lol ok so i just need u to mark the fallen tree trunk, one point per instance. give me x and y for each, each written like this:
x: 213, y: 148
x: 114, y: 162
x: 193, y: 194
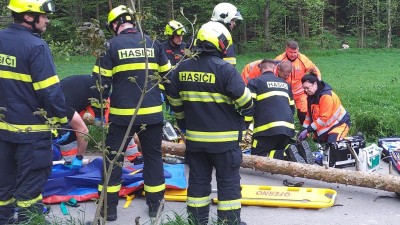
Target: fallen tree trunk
x: 331, y: 175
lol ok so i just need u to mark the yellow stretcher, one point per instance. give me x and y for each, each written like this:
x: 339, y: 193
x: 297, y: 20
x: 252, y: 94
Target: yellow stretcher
x: 274, y: 196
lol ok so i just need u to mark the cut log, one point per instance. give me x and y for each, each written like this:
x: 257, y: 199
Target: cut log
x: 331, y: 175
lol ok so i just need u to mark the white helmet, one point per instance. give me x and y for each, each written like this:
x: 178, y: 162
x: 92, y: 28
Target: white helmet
x: 224, y: 12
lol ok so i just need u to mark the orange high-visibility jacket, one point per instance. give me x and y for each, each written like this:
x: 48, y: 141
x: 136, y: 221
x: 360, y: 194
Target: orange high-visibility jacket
x: 325, y: 111
x: 300, y: 67
x: 251, y: 71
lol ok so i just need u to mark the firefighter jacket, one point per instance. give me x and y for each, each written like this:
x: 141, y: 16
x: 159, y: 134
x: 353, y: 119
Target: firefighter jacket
x: 123, y: 67
x: 174, y: 52
x: 300, y: 66
x: 274, y: 106
x: 78, y: 90
x: 230, y: 55
x: 209, y: 100
x: 325, y: 111
x: 28, y: 82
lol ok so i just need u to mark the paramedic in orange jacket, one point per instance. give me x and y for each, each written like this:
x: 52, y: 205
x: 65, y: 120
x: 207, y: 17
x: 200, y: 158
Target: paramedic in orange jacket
x: 326, y: 117
x: 251, y: 71
x: 301, y: 65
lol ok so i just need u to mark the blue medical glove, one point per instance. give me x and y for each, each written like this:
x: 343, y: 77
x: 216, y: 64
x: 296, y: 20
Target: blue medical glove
x: 76, y: 163
x: 62, y: 136
x: 302, y: 135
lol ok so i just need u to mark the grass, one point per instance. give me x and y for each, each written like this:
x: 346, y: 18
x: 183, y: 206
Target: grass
x: 74, y: 65
x: 367, y: 82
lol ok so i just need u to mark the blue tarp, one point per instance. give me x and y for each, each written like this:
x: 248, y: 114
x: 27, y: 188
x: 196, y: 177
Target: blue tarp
x: 65, y: 183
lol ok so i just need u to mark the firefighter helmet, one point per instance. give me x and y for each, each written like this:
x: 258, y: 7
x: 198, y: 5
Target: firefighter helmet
x: 36, y: 6
x: 121, y: 13
x: 213, y: 35
x: 174, y: 27
x: 225, y: 12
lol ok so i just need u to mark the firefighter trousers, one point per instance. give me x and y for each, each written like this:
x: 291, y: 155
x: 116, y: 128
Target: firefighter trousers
x: 24, y: 169
x: 271, y: 146
x: 153, y: 172
x: 227, y: 165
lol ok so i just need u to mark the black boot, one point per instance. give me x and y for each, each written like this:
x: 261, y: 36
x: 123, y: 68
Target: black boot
x: 230, y: 217
x: 305, y: 152
x: 111, y: 213
x: 293, y: 154
x: 198, y: 215
x: 7, y: 214
x: 32, y: 214
x: 153, y: 210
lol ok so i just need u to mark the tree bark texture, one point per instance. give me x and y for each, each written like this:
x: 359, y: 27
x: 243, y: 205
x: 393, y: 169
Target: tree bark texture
x: 331, y: 175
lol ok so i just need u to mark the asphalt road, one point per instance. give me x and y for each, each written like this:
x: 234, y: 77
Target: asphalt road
x: 353, y: 205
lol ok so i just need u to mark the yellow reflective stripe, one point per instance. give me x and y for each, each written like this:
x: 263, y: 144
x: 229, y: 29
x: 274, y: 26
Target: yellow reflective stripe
x: 198, y: 202
x: 161, y: 87
x: 102, y: 71
x: 286, y: 147
x: 15, y: 76
x: 59, y: 120
x: 291, y: 102
x: 229, y: 205
x: 231, y: 60
x: 134, y: 66
x: 246, y: 97
x: 175, y: 101
x: 254, y: 95
x: 154, y: 189
x: 272, y: 93
x: 7, y: 202
x: 110, y: 189
x: 248, y: 118
x: 28, y: 203
x: 271, y: 154
x: 196, y: 96
x: 179, y: 115
x: 165, y: 67
x: 24, y: 128
x: 273, y: 124
x: 255, y: 141
x: 98, y: 105
x: 142, y: 111
x: 46, y: 83
x: 223, y: 136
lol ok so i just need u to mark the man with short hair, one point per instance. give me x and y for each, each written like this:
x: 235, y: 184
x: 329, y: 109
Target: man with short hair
x: 284, y: 68
x: 300, y: 66
x: 274, y: 110
x: 28, y: 83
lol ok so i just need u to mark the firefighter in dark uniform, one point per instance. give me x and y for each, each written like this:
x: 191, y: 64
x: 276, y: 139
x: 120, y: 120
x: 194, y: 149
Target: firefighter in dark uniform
x: 274, y: 110
x: 174, y: 47
x: 78, y: 90
x: 28, y: 82
x: 123, y: 68
x: 227, y: 14
x: 209, y: 99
